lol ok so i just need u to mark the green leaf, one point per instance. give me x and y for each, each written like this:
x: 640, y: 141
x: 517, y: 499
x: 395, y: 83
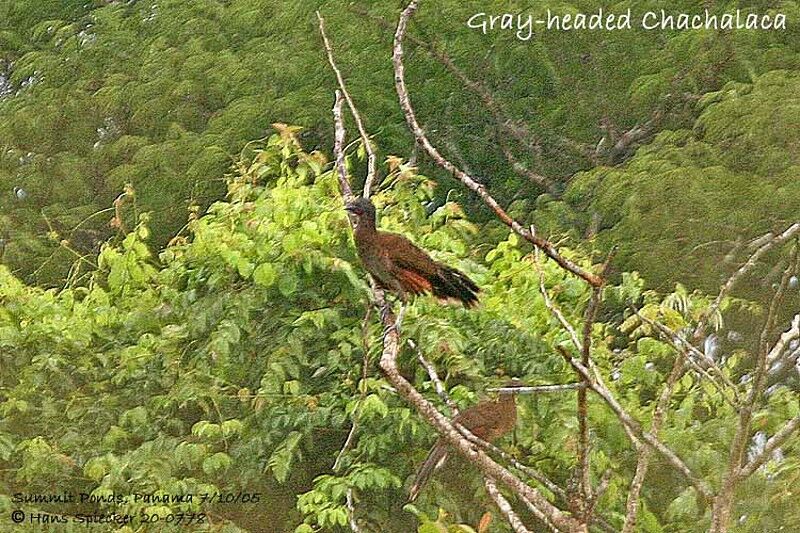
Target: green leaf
x: 265, y: 274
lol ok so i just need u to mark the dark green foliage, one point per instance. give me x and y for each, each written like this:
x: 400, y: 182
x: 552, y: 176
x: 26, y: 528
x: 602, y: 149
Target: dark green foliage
x: 163, y: 95
x: 701, y: 194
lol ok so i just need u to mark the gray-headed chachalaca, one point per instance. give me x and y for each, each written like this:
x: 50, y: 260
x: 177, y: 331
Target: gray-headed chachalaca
x: 400, y: 266
x: 488, y: 420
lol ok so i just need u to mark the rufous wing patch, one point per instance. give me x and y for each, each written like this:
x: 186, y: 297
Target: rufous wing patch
x: 413, y: 282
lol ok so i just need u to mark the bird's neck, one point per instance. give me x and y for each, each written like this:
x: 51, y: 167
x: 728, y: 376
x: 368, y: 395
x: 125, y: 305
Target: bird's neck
x: 365, y: 230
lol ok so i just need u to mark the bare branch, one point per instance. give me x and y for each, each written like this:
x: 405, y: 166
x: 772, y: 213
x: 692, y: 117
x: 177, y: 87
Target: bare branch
x: 371, y: 163
x: 769, y: 242
x: 635, y: 428
x: 684, y: 348
x: 645, y: 452
x: 552, y: 307
x: 467, y: 180
x: 521, y: 169
x: 351, y: 511
x: 338, y: 148
x: 437, y: 383
x: 775, y: 442
x: 723, y: 503
x: 505, y: 507
x: 585, y: 485
x: 530, y: 472
x: 484, y: 463
x: 537, y: 389
x: 602, y: 486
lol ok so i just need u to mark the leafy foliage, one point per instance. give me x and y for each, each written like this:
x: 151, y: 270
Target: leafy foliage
x: 95, y: 95
x: 237, y: 360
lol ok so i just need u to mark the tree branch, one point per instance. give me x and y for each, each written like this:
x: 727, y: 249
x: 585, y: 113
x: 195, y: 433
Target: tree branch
x: 371, y: 163
x: 775, y: 442
x: 505, y: 507
x: 437, y: 383
x: 684, y: 348
x: 537, y: 389
x: 338, y: 149
x: 467, y: 180
x: 723, y: 503
x: 445, y: 428
x: 635, y: 428
x: 765, y: 243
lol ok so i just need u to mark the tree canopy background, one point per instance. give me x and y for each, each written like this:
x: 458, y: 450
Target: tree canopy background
x: 236, y: 357
x: 96, y: 95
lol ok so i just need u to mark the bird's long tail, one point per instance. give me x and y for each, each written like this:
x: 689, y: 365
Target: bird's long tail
x: 450, y: 284
x: 436, y: 458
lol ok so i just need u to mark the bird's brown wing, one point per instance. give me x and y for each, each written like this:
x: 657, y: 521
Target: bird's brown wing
x: 478, y: 419
x: 409, y: 264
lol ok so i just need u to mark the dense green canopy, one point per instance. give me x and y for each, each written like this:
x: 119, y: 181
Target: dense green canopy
x: 237, y: 360
x: 182, y: 311
x: 96, y: 95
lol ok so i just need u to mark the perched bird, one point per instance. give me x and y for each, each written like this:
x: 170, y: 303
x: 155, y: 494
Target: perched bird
x: 398, y: 265
x: 488, y: 420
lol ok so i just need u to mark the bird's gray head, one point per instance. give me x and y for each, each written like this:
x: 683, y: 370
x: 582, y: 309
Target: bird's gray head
x: 363, y: 210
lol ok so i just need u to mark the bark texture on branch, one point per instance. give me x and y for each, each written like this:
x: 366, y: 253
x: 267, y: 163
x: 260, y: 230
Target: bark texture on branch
x: 471, y: 183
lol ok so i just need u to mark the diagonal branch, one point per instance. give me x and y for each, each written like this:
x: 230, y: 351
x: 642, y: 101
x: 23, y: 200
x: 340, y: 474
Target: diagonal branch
x: 633, y: 426
x: 775, y: 442
x: 723, y: 503
x: 388, y: 364
x: 437, y: 383
x: 515, y: 129
x: 684, y: 348
x: 445, y: 428
x: 766, y: 243
x: 338, y: 149
x: 505, y: 507
x: 371, y: 163
x: 480, y: 189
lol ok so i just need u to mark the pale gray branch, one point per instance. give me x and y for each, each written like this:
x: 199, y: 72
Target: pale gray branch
x: 371, y: 159
x: 437, y: 383
x: 471, y: 183
x: 635, y: 428
x: 766, y: 243
x: 505, y: 507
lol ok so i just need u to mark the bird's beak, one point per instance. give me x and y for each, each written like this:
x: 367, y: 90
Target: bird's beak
x: 350, y: 209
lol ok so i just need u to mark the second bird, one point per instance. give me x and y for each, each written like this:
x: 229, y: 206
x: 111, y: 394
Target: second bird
x: 398, y: 265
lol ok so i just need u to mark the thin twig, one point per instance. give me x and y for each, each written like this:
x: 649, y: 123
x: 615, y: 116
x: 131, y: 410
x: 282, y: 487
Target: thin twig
x: 371, y: 159
x: 484, y: 463
x: 515, y: 129
x: 437, y: 383
x: 351, y: 511
x: 685, y: 348
x: 530, y: 472
x: 723, y: 503
x: 775, y: 442
x: 771, y: 242
x: 602, y: 486
x: 338, y: 149
x: 480, y: 189
x: 552, y: 307
x: 538, y: 389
